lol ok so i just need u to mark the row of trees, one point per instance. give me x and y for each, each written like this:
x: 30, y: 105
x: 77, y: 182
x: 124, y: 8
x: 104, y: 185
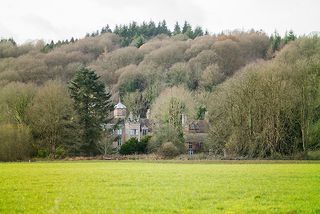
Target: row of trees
x: 137, y: 35
x: 50, y: 46
x: 270, y: 109
x: 277, y: 42
x: 53, y: 120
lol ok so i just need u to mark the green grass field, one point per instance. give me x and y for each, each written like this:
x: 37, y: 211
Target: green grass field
x: 164, y: 187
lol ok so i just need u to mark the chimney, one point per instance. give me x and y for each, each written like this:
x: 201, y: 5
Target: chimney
x: 148, y: 114
x: 130, y: 117
x: 206, y: 116
x: 183, y: 120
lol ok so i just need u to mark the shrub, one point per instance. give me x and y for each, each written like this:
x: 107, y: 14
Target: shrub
x: 42, y: 153
x: 60, y: 152
x: 168, y: 150
x: 15, y: 142
x: 142, y: 145
x: 133, y: 146
x: 130, y: 147
x: 313, y: 155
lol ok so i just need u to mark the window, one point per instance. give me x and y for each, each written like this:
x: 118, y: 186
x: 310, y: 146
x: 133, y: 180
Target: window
x: 200, y: 145
x: 133, y: 132
x: 144, y: 132
x: 190, y: 149
x: 119, y: 141
x: 192, y: 126
x: 119, y: 131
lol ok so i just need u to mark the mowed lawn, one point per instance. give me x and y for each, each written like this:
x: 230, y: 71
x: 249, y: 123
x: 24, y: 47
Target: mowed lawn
x: 159, y: 187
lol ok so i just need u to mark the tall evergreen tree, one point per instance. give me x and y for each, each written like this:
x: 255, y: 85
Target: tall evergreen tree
x: 187, y: 30
x: 197, y: 32
x: 185, y: 27
x: 189, y: 33
x: 289, y: 37
x: 164, y: 28
x: 152, y: 29
x: 93, y: 104
x: 176, y: 29
x: 275, y: 41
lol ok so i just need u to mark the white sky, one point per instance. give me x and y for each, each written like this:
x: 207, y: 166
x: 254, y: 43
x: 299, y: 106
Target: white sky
x: 61, y: 19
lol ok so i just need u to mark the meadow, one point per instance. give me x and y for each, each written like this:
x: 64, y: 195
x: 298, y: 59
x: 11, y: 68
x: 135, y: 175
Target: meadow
x: 159, y: 187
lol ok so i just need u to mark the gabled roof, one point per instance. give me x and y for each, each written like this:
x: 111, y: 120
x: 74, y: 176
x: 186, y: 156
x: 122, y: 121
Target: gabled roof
x: 120, y: 106
x: 145, y: 122
x: 199, y: 126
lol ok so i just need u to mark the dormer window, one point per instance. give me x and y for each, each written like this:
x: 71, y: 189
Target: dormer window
x: 193, y: 126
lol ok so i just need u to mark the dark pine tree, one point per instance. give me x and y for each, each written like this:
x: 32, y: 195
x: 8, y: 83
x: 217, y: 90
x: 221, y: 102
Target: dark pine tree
x: 176, y: 29
x: 152, y: 29
x: 289, y: 37
x: 186, y: 27
x: 93, y: 105
x: 197, y: 32
x: 275, y: 41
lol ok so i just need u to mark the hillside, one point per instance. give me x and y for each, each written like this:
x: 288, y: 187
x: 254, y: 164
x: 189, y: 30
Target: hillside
x: 246, y: 81
x: 162, y: 61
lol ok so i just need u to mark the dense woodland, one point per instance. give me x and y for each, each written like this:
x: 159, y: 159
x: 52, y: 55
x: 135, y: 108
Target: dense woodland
x: 260, y: 93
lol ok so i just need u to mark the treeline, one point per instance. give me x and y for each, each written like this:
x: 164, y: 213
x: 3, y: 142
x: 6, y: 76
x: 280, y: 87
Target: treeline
x: 137, y: 35
x: 270, y: 109
x: 48, y: 47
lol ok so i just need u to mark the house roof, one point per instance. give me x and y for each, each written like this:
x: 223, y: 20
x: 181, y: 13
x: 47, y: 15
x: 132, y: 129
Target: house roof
x: 198, y: 126
x: 120, y: 106
x: 145, y: 122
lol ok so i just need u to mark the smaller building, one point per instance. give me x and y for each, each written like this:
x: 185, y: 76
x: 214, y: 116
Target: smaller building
x: 195, y: 132
x: 120, y: 111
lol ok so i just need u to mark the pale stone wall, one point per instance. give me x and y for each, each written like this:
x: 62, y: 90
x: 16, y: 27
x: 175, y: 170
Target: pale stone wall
x: 132, y: 129
x: 120, y: 113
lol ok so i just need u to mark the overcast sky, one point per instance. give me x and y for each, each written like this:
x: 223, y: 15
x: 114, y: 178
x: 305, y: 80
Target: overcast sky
x: 61, y: 19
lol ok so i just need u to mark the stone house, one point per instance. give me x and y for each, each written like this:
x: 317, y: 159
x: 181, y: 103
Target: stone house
x: 195, y: 132
x: 126, y: 127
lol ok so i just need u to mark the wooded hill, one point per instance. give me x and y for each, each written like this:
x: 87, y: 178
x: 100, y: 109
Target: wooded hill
x: 260, y: 91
